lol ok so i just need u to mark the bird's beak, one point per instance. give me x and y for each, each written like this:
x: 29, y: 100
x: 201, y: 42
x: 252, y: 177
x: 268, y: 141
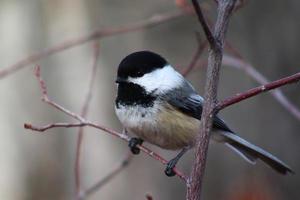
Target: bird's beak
x: 121, y: 80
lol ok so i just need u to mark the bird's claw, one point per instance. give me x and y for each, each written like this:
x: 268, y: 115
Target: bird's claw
x: 133, y: 142
x: 169, y: 171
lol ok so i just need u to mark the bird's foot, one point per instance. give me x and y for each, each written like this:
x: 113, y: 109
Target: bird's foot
x: 169, y: 171
x: 133, y: 142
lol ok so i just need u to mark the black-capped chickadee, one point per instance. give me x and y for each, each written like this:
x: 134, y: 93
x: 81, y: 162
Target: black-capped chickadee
x: 160, y: 106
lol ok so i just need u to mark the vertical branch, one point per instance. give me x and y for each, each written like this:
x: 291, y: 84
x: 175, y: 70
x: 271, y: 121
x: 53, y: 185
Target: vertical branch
x: 83, y: 114
x: 204, y: 24
x: 225, y: 8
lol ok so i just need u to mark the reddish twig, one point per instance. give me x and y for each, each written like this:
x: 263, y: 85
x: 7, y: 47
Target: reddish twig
x: 114, y: 172
x: 255, y: 91
x: 83, y: 114
x: 84, y: 122
x: 148, y: 23
x: 204, y: 24
x: 107, y: 130
x: 46, y: 99
x: 225, y: 8
x: 53, y: 125
x: 239, y: 63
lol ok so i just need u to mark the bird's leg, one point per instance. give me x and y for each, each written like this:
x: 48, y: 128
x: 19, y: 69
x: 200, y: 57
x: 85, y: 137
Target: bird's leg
x: 132, y: 145
x: 124, y: 132
x: 172, y: 163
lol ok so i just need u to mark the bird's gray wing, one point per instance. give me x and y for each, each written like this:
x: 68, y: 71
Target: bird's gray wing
x: 218, y: 123
x: 186, y: 100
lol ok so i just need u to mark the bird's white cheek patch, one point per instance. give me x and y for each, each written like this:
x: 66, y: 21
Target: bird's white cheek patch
x: 162, y: 80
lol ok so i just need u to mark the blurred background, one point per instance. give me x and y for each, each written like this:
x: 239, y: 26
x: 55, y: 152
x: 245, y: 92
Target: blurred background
x: 41, y: 165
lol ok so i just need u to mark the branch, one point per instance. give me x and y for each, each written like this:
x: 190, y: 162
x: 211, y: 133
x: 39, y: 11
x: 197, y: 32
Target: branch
x: 255, y: 91
x: 111, y: 132
x: 225, y: 8
x: 83, y: 114
x: 114, y: 172
x: 239, y: 63
x: 202, y: 45
x: 98, y: 34
x: 47, y: 100
x: 204, y: 24
x: 54, y: 125
x: 84, y: 122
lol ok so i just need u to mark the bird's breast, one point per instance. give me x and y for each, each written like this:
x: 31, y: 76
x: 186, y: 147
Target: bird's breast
x: 161, y: 125
x: 137, y: 116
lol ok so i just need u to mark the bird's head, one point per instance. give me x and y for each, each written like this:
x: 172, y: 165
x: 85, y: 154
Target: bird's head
x: 148, y: 70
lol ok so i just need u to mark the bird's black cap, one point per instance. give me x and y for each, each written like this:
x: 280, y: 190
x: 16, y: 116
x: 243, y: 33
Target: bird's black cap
x: 139, y: 63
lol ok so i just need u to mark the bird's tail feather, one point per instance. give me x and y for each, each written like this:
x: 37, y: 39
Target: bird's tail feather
x: 251, y: 153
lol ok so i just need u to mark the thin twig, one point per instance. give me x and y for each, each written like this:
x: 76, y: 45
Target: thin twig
x: 257, y: 76
x: 225, y: 8
x: 239, y: 63
x: 53, y: 125
x: 204, y: 24
x: 83, y: 114
x: 255, y: 91
x: 114, y: 172
x: 47, y: 100
x: 84, y: 122
x: 101, y: 33
x: 111, y: 132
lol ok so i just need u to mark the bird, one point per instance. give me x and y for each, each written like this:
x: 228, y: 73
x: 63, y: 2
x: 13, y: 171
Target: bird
x: 159, y: 106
